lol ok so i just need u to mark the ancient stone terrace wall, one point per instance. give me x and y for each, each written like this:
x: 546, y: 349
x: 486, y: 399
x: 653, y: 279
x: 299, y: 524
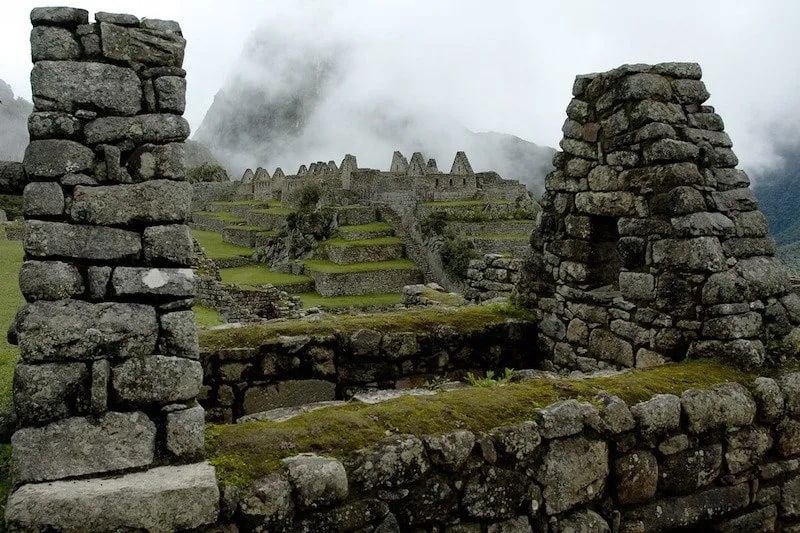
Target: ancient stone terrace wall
x: 492, y: 276
x: 718, y: 460
x: 650, y: 245
x: 110, y: 434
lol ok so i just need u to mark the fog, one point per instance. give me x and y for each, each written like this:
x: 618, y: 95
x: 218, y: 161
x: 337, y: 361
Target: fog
x: 427, y: 69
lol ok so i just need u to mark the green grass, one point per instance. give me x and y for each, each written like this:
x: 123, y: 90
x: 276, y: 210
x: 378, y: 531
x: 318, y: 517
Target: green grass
x: 501, y: 237
x: 207, y: 317
x: 466, y: 203
x: 270, y: 203
x: 417, y: 320
x: 244, y: 228
x: 329, y: 267
x: 372, y: 226
x: 253, y: 275
x: 244, y: 452
x: 275, y: 211
x: 221, y: 215
x: 313, y: 299
x: 216, y: 248
x: 11, y: 298
x: 378, y: 241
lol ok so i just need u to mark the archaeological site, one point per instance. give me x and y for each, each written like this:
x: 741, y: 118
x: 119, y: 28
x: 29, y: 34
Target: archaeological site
x: 411, y: 349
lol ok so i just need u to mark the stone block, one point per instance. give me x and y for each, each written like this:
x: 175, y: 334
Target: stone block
x: 98, y: 278
x: 156, y: 379
x: 740, y: 248
x: 573, y: 472
x: 81, y: 446
x: 703, y: 224
x: 49, y: 42
x: 685, y: 472
x: 725, y: 406
x: 612, y: 417
x: 317, y: 481
x: 49, y: 280
x: 517, y: 443
x: 649, y: 359
x: 681, y: 200
x: 43, y: 198
x: 47, y: 392
x: 790, y: 387
x: 494, y: 494
x: 151, y: 128
x: 636, y: 476
x: 561, y: 419
x: 642, y: 86
x: 287, y: 393
x: 761, y: 520
x: 185, y: 432
x: 53, y: 158
x: 155, y: 282
x: 101, y: 373
x: 121, y: 19
x: 652, y: 111
x: 365, y: 343
x: 156, y: 201
x: 765, y: 276
x: 396, y: 462
x: 735, y: 200
x: 179, y: 335
x: 637, y: 286
x: 142, y: 45
x: 606, y: 346
x: 170, y: 94
x: 585, y: 520
x: 790, y: 498
x: 732, y: 327
x: 76, y: 330
x: 769, y: 399
x: 657, y: 416
x: 73, y: 85
x: 450, y: 450
x: 167, y: 498
x: 268, y: 502
x: 171, y: 244
x: 703, y: 254
x: 48, y: 239
x: 161, y: 25
x: 606, y: 203
x: 163, y: 161
x: 62, y: 16
x: 746, y: 448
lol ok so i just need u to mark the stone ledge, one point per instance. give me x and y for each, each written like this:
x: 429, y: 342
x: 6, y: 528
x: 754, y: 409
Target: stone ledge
x: 167, y: 498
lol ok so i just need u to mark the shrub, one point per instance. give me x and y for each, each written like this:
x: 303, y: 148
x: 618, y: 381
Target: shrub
x: 308, y: 197
x: 434, y: 224
x: 456, y: 254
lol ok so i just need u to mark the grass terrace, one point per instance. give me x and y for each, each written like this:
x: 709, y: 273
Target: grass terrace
x: 247, y: 451
x: 313, y: 299
x: 372, y: 226
x: 467, y: 203
x: 277, y: 210
x: 329, y: 267
x: 207, y: 317
x: 417, y: 320
x: 378, y: 241
x: 270, y: 203
x: 11, y: 298
x: 221, y: 215
x: 254, y: 275
x: 216, y: 248
x: 502, y: 237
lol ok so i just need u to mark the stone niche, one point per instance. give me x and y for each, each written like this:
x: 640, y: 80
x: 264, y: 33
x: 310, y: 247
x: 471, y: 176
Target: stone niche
x: 650, y: 246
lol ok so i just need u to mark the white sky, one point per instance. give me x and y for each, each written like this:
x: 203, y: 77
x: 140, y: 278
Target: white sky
x: 502, y: 65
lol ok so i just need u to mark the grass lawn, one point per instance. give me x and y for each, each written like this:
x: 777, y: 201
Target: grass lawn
x: 216, y: 248
x: 252, y: 275
x: 372, y: 226
x: 502, y: 236
x: 221, y: 215
x: 11, y: 298
x: 244, y: 452
x: 419, y: 320
x: 329, y: 267
x: 314, y: 299
x: 207, y: 317
x: 378, y: 241
x: 466, y: 203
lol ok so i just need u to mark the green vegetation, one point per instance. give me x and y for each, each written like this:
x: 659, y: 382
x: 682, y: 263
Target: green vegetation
x: 467, y: 203
x: 12, y: 205
x: 244, y: 228
x: 221, y: 215
x: 216, y: 248
x: 482, y: 216
x: 489, y: 380
x: 244, y: 452
x: 264, y: 203
x: 11, y: 298
x: 416, y: 320
x: 444, y: 298
x: 254, y: 275
x: 434, y: 224
x: 456, y: 255
x: 329, y: 267
x: 313, y: 299
x: 308, y: 197
x: 372, y: 226
x: 277, y: 210
x: 206, y: 172
x: 501, y: 237
x: 378, y: 241
x: 207, y: 317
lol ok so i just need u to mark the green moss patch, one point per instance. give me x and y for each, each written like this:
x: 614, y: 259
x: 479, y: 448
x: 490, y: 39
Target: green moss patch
x: 313, y: 299
x: 207, y: 317
x: 418, y: 320
x: 329, y: 267
x: 372, y: 226
x: 378, y: 241
x: 11, y: 298
x: 244, y: 452
x: 253, y: 275
x: 216, y: 248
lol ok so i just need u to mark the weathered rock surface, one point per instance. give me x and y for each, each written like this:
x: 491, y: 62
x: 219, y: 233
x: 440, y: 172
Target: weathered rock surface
x: 53, y: 158
x: 573, y: 471
x: 49, y: 280
x: 156, y: 379
x: 142, y: 45
x: 140, y: 129
x: 317, y: 481
x: 57, y: 239
x: 157, y: 201
x: 153, y: 282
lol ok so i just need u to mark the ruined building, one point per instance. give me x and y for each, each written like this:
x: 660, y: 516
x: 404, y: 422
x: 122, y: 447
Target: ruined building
x: 650, y: 246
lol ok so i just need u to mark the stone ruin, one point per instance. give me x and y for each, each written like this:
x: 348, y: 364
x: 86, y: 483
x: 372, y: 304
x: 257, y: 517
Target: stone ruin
x: 110, y: 435
x: 650, y: 245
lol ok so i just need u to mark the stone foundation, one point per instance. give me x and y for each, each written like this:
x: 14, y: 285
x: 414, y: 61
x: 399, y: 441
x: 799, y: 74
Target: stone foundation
x: 493, y: 276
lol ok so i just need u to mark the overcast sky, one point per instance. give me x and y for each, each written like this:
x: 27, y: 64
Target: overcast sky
x: 504, y: 66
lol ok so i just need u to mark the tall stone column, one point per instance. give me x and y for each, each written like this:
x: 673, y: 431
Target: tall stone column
x: 110, y: 433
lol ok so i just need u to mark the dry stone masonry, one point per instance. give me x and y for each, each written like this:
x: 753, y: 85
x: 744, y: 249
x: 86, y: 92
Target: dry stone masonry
x: 650, y: 246
x: 109, y: 368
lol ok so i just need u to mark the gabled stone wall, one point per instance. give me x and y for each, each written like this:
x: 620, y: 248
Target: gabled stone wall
x: 109, y: 368
x: 650, y: 245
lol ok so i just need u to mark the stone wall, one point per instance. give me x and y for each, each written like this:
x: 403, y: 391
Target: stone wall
x: 355, y: 283
x: 109, y: 370
x: 492, y: 276
x: 206, y: 193
x: 296, y: 370
x: 718, y: 459
x: 650, y: 246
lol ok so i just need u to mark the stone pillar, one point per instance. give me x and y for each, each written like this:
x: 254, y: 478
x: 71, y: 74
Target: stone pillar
x: 105, y: 390
x: 650, y: 245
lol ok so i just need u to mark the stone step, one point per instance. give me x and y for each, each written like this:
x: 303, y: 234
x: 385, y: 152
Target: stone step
x: 355, y: 279
x: 166, y: 498
x: 268, y: 219
x: 365, y: 231
x: 344, y: 252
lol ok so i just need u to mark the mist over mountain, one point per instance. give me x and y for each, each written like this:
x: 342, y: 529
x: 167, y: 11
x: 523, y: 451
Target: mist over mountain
x: 290, y: 101
x: 13, y: 124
